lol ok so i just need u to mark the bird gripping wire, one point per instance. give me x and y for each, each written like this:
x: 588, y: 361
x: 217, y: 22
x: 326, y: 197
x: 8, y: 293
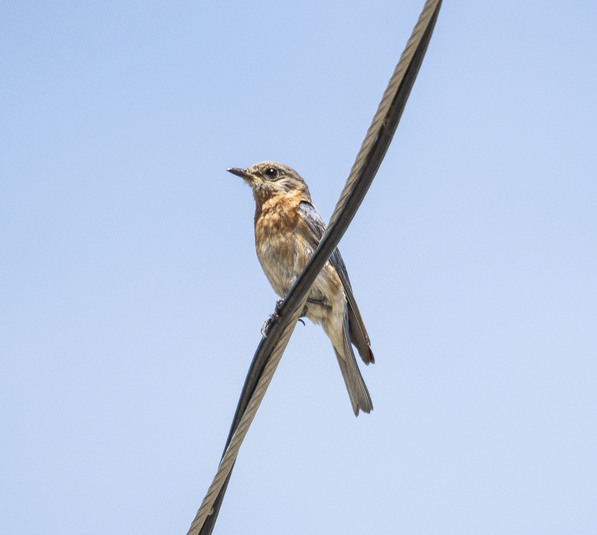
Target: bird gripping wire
x: 271, y: 348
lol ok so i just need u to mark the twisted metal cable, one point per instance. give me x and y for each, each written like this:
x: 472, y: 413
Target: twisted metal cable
x: 270, y: 349
x: 282, y: 330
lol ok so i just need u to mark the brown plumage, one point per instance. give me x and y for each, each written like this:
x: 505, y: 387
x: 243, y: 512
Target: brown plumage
x: 287, y: 232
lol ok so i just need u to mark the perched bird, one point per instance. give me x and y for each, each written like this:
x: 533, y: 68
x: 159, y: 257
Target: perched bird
x: 288, y: 229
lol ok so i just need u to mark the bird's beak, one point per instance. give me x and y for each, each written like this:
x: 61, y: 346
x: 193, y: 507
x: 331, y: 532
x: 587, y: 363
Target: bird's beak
x: 243, y: 173
x: 238, y: 172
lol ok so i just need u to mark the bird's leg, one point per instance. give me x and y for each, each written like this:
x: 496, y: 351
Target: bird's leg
x: 272, y: 317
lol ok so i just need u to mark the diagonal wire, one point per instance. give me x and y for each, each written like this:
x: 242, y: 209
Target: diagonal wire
x: 270, y: 349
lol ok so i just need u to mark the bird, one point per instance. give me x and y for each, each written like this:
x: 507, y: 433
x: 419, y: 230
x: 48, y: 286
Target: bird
x: 288, y: 230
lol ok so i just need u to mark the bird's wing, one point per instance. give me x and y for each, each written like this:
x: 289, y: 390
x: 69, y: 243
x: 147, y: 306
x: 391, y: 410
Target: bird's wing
x: 358, y: 332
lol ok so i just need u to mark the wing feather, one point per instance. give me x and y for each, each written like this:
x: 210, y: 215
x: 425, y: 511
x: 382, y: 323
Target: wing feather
x: 358, y: 332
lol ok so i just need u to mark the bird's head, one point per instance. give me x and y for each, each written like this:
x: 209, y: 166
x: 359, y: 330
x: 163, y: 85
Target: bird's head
x: 270, y: 179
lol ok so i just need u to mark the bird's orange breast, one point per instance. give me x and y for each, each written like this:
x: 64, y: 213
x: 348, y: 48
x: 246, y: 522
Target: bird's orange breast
x: 278, y: 240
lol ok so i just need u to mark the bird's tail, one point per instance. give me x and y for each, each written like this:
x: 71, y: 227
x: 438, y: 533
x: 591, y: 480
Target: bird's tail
x: 357, y: 389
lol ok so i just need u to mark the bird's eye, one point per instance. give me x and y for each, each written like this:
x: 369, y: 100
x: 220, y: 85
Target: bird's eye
x: 271, y: 172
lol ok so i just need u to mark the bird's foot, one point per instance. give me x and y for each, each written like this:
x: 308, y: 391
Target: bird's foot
x: 272, y: 317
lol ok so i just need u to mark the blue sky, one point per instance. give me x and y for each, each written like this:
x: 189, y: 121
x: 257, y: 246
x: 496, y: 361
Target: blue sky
x: 132, y: 297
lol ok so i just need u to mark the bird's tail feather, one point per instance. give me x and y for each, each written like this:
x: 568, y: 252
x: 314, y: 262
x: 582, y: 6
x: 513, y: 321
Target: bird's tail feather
x: 357, y: 389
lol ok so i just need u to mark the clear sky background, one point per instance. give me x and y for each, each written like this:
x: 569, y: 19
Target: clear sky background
x: 132, y: 298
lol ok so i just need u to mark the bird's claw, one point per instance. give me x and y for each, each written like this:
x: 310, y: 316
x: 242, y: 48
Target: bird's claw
x: 267, y: 324
x: 272, y: 317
